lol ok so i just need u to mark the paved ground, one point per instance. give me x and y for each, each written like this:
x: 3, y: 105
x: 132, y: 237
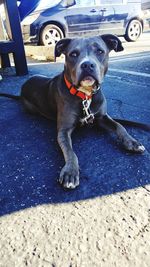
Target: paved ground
x: 104, y: 222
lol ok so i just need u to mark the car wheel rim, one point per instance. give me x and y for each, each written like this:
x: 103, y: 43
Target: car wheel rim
x: 51, y: 37
x: 134, y: 31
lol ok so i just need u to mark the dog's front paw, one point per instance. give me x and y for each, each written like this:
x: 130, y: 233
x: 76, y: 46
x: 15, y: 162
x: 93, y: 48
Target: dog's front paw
x: 133, y: 146
x: 69, y: 176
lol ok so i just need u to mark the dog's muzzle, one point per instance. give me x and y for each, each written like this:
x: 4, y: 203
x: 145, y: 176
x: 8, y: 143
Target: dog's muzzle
x: 88, y: 75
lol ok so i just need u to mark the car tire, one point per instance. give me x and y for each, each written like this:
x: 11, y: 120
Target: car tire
x: 133, y: 31
x: 50, y: 35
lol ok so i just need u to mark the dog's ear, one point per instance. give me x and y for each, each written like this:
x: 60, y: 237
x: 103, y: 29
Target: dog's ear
x: 61, y: 46
x: 112, y: 42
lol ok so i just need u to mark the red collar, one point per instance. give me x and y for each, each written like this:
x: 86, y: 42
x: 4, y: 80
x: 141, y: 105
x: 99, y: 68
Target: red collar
x: 74, y: 91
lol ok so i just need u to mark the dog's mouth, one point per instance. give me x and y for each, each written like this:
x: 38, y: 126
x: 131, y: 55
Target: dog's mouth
x: 88, y: 81
x: 88, y: 85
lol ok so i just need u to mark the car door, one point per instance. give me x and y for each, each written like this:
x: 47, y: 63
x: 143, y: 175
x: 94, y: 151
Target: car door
x: 82, y: 18
x: 113, y: 14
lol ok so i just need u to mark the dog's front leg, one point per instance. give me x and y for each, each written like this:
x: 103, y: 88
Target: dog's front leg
x: 69, y: 176
x: 127, y: 140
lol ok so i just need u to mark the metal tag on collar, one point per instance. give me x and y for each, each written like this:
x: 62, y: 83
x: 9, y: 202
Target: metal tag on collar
x: 89, y: 117
x: 86, y: 105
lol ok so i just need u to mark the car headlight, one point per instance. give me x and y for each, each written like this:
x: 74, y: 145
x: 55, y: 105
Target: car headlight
x: 30, y: 19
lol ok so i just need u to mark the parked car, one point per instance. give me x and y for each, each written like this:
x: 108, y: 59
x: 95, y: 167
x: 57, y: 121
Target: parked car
x: 85, y: 18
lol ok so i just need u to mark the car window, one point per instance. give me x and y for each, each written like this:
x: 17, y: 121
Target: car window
x: 80, y: 2
x: 43, y: 4
x: 110, y: 2
x: 67, y: 3
x: 85, y: 2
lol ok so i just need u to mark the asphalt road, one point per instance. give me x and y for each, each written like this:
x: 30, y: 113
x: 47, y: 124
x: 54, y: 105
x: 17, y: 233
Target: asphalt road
x: 106, y: 220
x: 132, y: 72
x: 142, y: 45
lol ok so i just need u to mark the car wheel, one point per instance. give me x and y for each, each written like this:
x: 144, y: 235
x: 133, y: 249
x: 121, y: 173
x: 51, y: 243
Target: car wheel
x: 50, y: 35
x: 133, y: 31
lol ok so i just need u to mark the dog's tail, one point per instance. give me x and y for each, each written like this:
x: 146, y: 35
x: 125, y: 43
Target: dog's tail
x: 16, y: 97
x: 144, y: 126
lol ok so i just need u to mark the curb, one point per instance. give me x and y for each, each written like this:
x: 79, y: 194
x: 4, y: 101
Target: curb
x: 40, y: 52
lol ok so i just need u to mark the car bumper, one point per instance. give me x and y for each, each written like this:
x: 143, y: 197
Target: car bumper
x: 146, y: 25
x: 26, y: 34
x: 146, y: 20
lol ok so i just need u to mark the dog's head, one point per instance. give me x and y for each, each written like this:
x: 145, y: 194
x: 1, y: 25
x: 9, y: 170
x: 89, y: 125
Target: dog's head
x: 86, y: 59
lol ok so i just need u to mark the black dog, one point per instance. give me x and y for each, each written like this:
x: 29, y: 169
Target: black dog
x: 75, y: 96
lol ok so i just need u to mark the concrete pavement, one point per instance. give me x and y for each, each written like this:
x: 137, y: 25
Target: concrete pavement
x: 47, y: 53
x: 104, y: 222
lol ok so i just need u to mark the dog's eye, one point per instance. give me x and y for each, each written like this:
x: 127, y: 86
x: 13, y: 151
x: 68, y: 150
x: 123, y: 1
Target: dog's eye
x: 99, y: 51
x: 74, y: 54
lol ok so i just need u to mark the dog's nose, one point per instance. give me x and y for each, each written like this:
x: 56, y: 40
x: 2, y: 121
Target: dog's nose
x: 87, y: 65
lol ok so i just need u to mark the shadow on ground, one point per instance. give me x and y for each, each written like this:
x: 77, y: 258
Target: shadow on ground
x: 31, y: 159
